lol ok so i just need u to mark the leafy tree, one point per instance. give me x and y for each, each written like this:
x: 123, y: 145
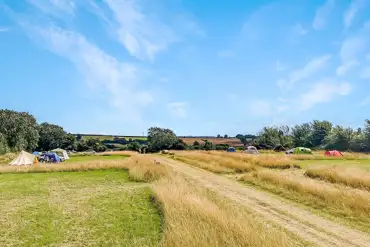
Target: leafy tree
x: 20, y: 130
x: 208, y: 145
x: 69, y: 142
x: 51, y: 137
x: 134, y: 146
x: 179, y: 145
x: 301, y: 135
x: 226, y: 136
x: 196, y: 145
x: 340, y: 138
x: 269, y: 137
x: 3, y: 145
x: 218, y: 136
x: 159, y: 139
x: 320, y: 129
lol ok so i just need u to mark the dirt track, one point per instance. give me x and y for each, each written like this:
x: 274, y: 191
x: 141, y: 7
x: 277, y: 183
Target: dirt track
x: 304, y: 224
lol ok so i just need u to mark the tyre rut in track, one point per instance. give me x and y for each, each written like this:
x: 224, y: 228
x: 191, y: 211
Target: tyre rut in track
x: 306, y: 225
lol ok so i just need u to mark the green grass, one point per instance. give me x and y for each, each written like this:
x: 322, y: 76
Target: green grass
x: 96, y: 208
x: 84, y: 158
x: 358, y: 163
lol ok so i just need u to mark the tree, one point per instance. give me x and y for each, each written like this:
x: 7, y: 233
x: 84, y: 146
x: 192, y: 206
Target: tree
x: 134, y: 146
x: 320, y: 129
x: 3, y: 145
x: 79, y: 137
x: 196, y: 145
x: 226, y: 136
x: 159, y: 139
x: 208, y: 145
x: 19, y: 129
x: 179, y: 145
x: 340, y: 138
x: 218, y: 136
x: 69, y: 142
x: 51, y: 137
x: 301, y: 135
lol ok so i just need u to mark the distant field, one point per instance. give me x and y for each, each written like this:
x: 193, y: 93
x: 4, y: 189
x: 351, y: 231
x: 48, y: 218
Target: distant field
x: 110, y: 137
x: 74, y: 159
x: 230, y: 141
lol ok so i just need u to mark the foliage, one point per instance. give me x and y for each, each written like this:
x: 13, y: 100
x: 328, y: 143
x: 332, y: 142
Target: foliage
x: 340, y: 138
x: 320, y: 129
x: 3, y: 145
x: 159, y: 139
x: 51, y: 136
x: 20, y: 130
x: 69, y: 142
x: 301, y: 134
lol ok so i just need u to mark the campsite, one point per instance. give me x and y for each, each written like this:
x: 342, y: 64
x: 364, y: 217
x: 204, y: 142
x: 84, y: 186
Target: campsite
x: 169, y: 193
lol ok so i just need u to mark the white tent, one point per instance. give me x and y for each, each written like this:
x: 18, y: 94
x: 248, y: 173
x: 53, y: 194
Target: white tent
x: 63, y: 153
x: 23, y: 158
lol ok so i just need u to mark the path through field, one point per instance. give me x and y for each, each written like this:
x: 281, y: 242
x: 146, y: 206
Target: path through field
x: 306, y: 225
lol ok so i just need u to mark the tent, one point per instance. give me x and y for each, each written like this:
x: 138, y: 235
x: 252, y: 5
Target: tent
x: 231, y: 149
x: 62, y: 153
x: 50, y: 157
x: 24, y: 158
x: 299, y: 150
x: 333, y: 153
x: 36, y: 153
x: 302, y: 150
x: 251, y: 150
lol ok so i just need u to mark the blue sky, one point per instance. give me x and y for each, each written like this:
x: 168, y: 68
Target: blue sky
x: 197, y: 67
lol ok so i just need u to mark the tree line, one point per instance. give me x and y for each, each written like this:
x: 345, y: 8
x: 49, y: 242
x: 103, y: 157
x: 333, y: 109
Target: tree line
x: 20, y: 131
x: 316, y: 135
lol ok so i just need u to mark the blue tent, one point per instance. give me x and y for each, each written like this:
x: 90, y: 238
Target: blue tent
x: 231, y: 149
x: 36, y: 153
x: 53, y: 157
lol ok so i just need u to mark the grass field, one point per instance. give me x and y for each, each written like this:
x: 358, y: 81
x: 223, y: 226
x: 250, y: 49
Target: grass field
x: 340, y: 192
x: 110, y: 137
x: 86, y: 158
x: 94, y: 208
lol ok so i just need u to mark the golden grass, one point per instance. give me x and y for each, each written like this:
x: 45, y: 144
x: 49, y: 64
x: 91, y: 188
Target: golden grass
x: 141, y: 168
x: 194, y: 217
x: 351, y: 204
x: 207, y: 161
x: 223, y: 162
x: 356, y: 178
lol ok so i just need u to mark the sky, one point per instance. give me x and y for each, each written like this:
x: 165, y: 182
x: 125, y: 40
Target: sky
x: 197, y: 67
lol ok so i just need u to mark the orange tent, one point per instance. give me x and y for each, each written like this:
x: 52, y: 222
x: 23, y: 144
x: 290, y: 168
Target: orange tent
x: 333, y: 153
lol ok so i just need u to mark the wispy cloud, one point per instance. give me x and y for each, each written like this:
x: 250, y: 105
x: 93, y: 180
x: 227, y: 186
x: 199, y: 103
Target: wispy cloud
x: 142, y: 35
x: 279, y: 66
x: 322, y: 14
x: 308, y: 70
x: 322, y: 92
x: 298, y: 29
x: 351, y: 12
x: 347, y: 66
x: 365, y: 73
x: 226, y: 53
x: 56, y: 8
x: 260, y: 108
x: 177, y: 109
x: 4, y: 29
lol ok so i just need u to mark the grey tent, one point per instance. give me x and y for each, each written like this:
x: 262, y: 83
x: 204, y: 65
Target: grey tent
x: 61, y: 153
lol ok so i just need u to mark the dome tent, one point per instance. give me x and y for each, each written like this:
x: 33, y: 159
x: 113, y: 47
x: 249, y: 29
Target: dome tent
x: 251, y: 150
x: 61, y: 153
x: 24, y: 158
x: 231, y: 149
x: 333, y: 153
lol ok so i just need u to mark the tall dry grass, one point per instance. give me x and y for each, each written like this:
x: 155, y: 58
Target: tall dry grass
x: 337, y: 201
x: 222, y: 162
x: 353, y: 177
x: 140, y: 168
x: 195, y: 217
x: 217, y: 164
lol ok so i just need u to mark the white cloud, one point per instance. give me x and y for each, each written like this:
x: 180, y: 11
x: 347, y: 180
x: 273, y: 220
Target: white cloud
x: 57, y: 8
x: 298, y: 29
x: 344, y: 68
x: 117, y: 80
x: 226, y: 53
x: 142, y: 35
x: 177, y: 109
x: 351, y: 12
x: 322, y: 92
x: 260, y: 108
x: 308, y: 70
x: 322, y: 15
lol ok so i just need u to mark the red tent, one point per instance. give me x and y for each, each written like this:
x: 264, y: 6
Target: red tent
x: 333, y: 153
